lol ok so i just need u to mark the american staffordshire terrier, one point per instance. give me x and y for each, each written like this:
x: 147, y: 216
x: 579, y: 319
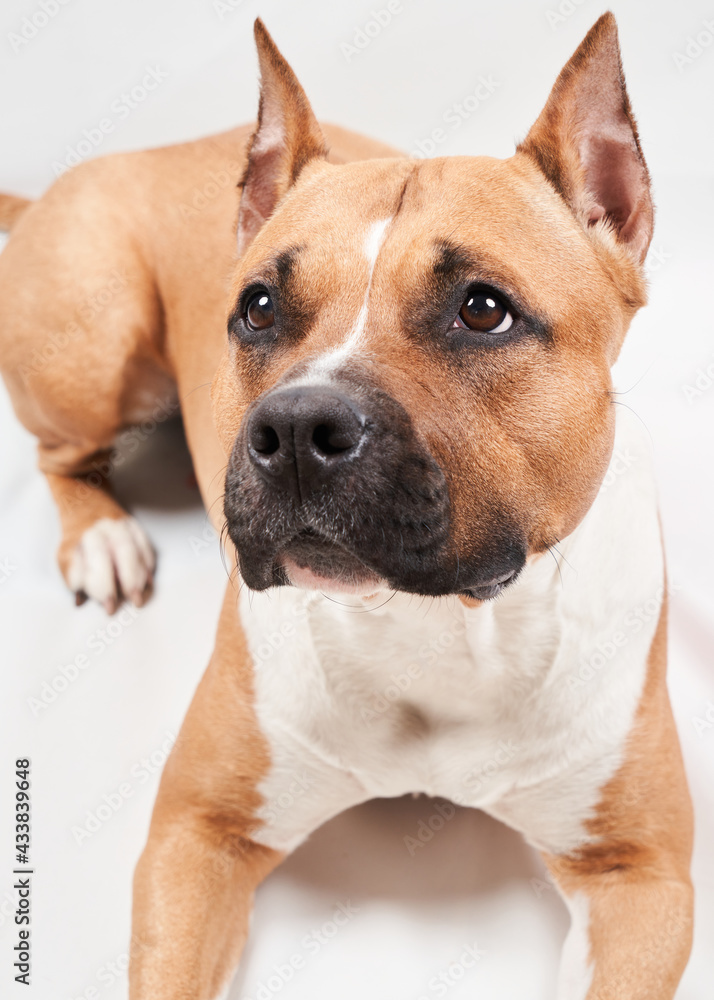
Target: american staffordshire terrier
x: 411, y: 415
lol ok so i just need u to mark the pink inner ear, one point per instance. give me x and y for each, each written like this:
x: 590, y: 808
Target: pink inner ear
x: 617, y: 180
x: 262, y: 181
x: 613, y: 176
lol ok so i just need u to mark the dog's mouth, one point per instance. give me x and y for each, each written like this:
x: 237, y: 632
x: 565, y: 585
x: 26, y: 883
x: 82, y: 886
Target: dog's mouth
x: 356, y: 552
x: 312, y: 562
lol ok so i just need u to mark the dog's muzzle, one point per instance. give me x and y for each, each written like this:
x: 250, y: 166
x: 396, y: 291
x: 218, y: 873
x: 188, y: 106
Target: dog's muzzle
x: 331, y: 488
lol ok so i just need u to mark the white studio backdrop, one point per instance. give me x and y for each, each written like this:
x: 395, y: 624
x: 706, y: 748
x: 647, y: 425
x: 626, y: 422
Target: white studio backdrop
x: 448, y: 77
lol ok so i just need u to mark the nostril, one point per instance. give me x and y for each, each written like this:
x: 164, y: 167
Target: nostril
x: 296, y: 439
x: 329, y: 441
x: 265, y: 440
x: 325, y: 440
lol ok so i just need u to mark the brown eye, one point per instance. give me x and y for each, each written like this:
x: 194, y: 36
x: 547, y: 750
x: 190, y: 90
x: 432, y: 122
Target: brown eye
x: 259, y: 313
x: 484, y: 312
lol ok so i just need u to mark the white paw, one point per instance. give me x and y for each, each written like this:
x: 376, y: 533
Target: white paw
x: 113, y: 561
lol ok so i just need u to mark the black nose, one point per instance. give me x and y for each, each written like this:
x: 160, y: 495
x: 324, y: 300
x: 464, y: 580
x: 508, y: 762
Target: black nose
x: 300, y: 439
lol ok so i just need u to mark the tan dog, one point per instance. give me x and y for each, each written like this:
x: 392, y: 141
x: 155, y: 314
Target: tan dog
x: 413, y: 397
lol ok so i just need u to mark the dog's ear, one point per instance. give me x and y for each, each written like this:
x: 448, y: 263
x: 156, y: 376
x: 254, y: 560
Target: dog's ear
x: 287, y: 137
x: 585, y: 142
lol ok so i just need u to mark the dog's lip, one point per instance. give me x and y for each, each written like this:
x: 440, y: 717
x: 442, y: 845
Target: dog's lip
x: 311, y: 560
x: 307, y: 579
x: 492, y: 588
x: 368, y: 584
x: 356, y: 578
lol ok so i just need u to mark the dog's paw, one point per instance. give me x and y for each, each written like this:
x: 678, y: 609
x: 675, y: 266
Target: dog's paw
x: 114, y: 561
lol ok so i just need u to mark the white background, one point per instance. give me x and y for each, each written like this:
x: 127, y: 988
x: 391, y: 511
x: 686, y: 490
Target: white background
x: 475, y: 882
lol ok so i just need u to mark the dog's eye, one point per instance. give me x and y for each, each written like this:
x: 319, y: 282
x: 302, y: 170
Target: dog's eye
x: 259, y: 311
x: 484, y: 312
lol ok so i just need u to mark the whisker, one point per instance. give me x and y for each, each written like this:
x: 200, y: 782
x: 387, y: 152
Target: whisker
x: 353, y: 609
x: 219, y: 473
x: 616, y: 402
x: 614, y: 392
x: 560, y: 574
x: 220, y: 500
x: 191, y: 391
x: 222, y: 550
x: 562, y: 555
x: 458, y: 569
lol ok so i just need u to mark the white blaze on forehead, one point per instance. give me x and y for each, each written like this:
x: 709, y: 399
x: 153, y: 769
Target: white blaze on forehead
x: 372, y: 245
x: 374, y: 240
x: 371, y: 248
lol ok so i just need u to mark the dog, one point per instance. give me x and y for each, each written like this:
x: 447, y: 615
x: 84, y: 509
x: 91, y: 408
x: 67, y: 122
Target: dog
x: 411, y: 415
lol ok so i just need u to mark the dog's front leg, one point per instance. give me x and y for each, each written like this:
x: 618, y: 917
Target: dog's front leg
x: 194, y: 882
x: 193, y: 894
x: 628, y: 889
x: 630, y: 933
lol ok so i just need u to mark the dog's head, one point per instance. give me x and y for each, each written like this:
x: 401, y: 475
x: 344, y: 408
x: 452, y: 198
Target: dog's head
x: 416, y: 387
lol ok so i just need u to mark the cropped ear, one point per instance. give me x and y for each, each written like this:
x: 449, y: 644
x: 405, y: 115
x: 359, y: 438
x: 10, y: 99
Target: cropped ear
x: 585, y: 142
x: 287, y: 137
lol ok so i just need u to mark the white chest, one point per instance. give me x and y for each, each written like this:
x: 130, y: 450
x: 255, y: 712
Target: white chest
x: 520, y: 707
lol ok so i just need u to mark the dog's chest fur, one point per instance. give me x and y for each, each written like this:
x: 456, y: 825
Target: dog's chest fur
x: 521, y: 707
